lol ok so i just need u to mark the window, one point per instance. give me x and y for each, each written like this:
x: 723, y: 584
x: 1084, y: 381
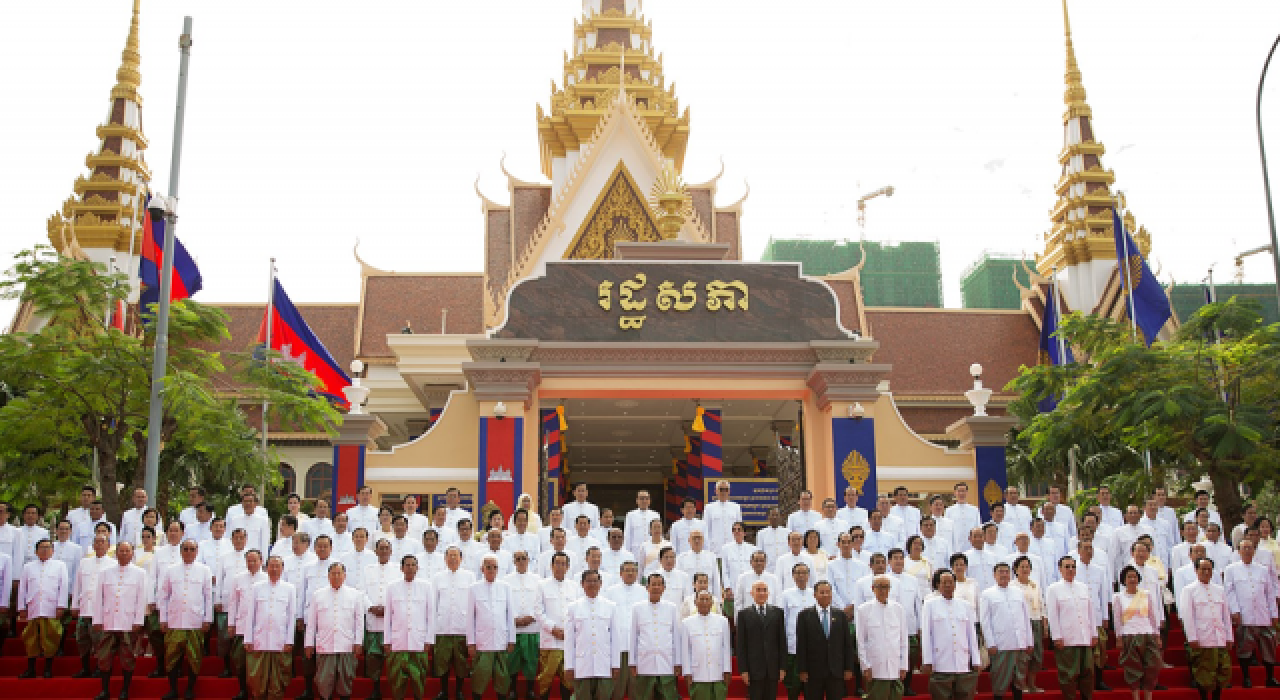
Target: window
x: 319, y: 479
x: 290, y: 478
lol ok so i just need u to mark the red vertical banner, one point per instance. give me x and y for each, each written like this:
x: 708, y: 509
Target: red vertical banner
x: 693, y: 481
x: 348, y: 475
x: 501, y: 462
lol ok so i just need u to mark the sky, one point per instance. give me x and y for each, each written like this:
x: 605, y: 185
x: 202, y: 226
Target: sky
x: 311, y: 125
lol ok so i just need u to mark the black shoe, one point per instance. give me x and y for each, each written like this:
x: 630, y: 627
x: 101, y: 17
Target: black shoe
x: 48, y: 667
x: 1100, y: 685
x: 157, y: 672
x: 173, y: 686
x: 444, y: 688
x: 1273, y: 683
x: 105, y: 677
x: 191, y: 687
x: 226, y: 671
x: 31, y: 670
x: 84, y: 671
x: 1161, y: 686
x: 376, y: 693
x: 124, y: 689
x: 908, y: 693
x: 1245, y: 682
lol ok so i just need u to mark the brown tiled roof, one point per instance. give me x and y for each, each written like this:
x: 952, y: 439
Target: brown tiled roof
x: 389, y: 301
x: 727, y: 232
x: 702, y: 204
x: 845, y: 292
x: 931, y: 350
x: 497, y: 247
x: 528, y: 205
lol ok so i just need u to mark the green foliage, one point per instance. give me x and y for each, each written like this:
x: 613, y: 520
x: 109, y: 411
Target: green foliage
x: 1203, y: 403
x: 76, y: 387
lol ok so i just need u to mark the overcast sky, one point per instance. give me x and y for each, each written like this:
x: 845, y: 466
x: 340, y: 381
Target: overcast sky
x: 312, y: 124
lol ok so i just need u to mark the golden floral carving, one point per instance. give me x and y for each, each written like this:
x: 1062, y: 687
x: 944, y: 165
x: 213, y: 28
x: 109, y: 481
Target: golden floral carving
x: 619, y: 214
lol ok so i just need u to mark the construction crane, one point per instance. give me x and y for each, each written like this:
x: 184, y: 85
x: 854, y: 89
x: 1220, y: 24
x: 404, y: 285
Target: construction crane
x: 887, y: 191
x: 1240, y: 260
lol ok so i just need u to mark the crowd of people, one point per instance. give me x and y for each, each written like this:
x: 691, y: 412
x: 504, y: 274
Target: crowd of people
x: 606, y: 610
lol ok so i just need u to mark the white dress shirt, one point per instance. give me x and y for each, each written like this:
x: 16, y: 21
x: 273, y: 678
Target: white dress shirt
x: 445, y: 536
x: 1207, y: 619
x: 68, y: 553
x: 557, y: 596
x: 1019, y: 516
x: 856, y: 515
x: 573, y: 509
x: 528, y: 543
x: 844, y: 574
x: 408, y: 615
x: 377, y: 578
x: 362, y: 516
x: 880, y: 541
x: 787, y: 562
x: 1112, y: 516
x: 611, y: 560
x: 335, y: 620
x: 229, y: 565
x: 937, y: 550
x: 793, y: 601
x: 707, y: 654
x: 747, y: 580
x: 1124, y: 537
x: 982, y: 567
x: 654, y: 648
x: 593, y: 644
x: 736, y: 560
x: 44, y: 588
x: 491, y: 618
x: 802, y: 521
x: 625, y: 597
x: 680, y: 530
x: 635, y: 530
x: 240, y: 600
x: 1062, y: 517
x: 121, y: 598
x: 829, y: 531
x: 1005, y: 619
x: 358, y: 563
x: 719, y: 517
x: 526, y: 599
x: 81, y: 533
x: 910, y: 516
x: 131, y: 525
x: 703, y: 562
x: 452, y: 589
x: 315, y: 576
x: 272, y: 610
x: 185, y: 597
x: 1069, y: 609
x: 964, y: 517
x: 31, y: 535
x: 86, y: 583
x: 211, y: 551
x: 1097, y: 577
x: 1251, y: 593
x: 911, y: 598
x: 258, y: 528
x: 948, y: 639
x: 506, y: 562
x: 882, y: 639
x: 773, y: 540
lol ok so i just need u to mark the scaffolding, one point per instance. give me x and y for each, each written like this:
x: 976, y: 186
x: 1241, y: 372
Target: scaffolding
x: 988, y: 282
x: 907, y: 274
x: 1187, y: 298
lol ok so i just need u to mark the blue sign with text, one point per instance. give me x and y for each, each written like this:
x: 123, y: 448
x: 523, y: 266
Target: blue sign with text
x: 755, y: 496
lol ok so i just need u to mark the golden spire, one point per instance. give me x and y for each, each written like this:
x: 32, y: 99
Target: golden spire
x: 1074, y: 95
x: 129, y: 75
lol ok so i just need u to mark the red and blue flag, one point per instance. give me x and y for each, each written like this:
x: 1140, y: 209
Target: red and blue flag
x: 186, y: 276
x: 295, y: 341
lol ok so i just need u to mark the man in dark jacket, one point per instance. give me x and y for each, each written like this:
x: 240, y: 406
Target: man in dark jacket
x: 761, y: 644
x: 824, y: 648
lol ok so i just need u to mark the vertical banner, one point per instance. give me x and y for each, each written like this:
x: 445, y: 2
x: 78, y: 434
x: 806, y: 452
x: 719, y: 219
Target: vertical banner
x: 992, y: 477
x: 671, y: 495
x: 551, y: 443
x: 712, y: 452
x: 693, y: 479
x: 434, y: 416
x: 501, y: 461
x: 348, y: 475
x: 853, y: 442
x: 681, y: 482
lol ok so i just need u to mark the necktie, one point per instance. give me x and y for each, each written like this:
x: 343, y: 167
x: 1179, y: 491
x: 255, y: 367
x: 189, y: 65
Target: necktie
x: 826, y: 623
x: 761, y: 609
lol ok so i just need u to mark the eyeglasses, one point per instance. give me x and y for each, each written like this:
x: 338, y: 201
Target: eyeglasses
x: 859, y: 537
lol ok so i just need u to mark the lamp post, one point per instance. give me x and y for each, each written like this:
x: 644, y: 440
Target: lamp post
x: 1266, y: 181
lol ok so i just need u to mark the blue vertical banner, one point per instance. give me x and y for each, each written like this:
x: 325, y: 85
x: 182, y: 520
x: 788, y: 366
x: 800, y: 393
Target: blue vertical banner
x: 853, y: 443
x: 992, y: 477
x: 551, y: 442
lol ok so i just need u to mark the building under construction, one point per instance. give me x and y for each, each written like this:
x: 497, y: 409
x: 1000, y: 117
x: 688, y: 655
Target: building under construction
x: 896, y: 274
x: 1188, y: 298
x: 988, y: 282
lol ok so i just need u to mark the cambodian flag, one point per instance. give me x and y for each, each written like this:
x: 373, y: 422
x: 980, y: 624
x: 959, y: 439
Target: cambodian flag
x: 186, y: 276
x: 294, y: 340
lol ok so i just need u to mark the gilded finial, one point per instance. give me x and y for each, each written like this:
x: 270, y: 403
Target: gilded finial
x: 670, y: 198
x: 129, y: 75
x: 1074, y: 95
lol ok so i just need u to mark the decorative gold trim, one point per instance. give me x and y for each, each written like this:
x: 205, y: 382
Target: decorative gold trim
x: 619, y: 200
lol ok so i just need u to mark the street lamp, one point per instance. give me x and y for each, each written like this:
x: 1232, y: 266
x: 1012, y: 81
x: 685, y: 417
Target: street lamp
x: 1266, y: 181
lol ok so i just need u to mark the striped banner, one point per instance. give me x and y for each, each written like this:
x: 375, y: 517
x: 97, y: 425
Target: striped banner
x: 434, y: 416
x: 693, y: 478
x: 712, y: 450
x: 552, y: 442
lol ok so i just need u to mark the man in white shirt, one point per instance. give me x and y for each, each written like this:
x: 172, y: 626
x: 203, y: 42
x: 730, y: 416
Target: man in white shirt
x: 881, y: 630
x: 185, y: 602
x: 796, y: 598
x: 320, y: 524
x: 238, y: 605
x: 526, y: 603
x: 120, y: 605
x: 1005, y: 530
x: 698, y: 560
x: 237, y: 508
x: 772, y: 540
x: 358, y: 559
x: 636, y: 525
x: 218, y: 545
x: 581, y: 540
x: 363, y: 514
x: 937, y: 546
x: 195, y: 496
x: 557, y: 545
x: 1016, y: 513
x: 909, y: 514
x: 43, y: 591
x: 1165, y: 530
x: 32, y: 530
x: 226, y: 568
x: 830, y: 527
x: 593, y: 644
x: 1217, y: 550
x: 1180, y: 554
x: 1251, y: 598
x: 1187, y: 575
x: 257, y: 526
x: 82, y: 588
x: 315, y: 577
x: 407, y: 626
x: 787, y: 562
x: 1208, y: 626
x: 402, y: 543
x: 719, y: 516
x: 449, y: 627
x: 981, y: 560
x: 1059, y: 514
x: 654, y: 655
x: 555, y: 519
x: 747, y: 580
x: 707, y: 657
x: 470, y: 548
x: 493, y: 548
x: 88, y: 493
x: 374, y: 581
x: 335, y: 627
x: 1006, y: 622
x: 878, y: 538
x: 520, y: 539
x: 1202, y: 501
x: 201, y: 529
x: 1047, y: 548
x: 626, y: 594
x: 963, y: 515
x: 446, y: 533
x: 558, y: 593
x: 82, y: 533
x: 681, y: 528
x: 613, y: 556
x: 269, y: 633
x: 1126, y: 535
x: 342, y: 543
x: 1094, y: 571
x: 601, y: 531
x: 852, y: 513
x: 844, y: 573
x: 580, y: 506
x: 1069, y: 609
x: 910, y: 596
x: 491, y: 630
x: 453, y: 507
x: 417, y: 521
x: 70, y: 554
x: 1111, y: 516
x: 804, y: 518
x: 735, y: 558
x: 949, y: 642
x: 131, y: 520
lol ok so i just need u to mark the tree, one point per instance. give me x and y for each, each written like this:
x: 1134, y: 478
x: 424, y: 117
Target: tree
x: 1206, y: 402
x: 76, y: 387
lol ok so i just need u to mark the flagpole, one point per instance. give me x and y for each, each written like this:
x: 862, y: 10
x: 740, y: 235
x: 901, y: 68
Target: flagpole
x: 1057, y: 318
x: 161, y: 350
x: 106, y: 320
x: 1128, y: 276
x: 266, y: 351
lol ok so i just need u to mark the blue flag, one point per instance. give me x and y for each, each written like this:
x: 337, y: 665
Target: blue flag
x: 1053, y: 351
x: 1150, y: 307
x: 186, y: 276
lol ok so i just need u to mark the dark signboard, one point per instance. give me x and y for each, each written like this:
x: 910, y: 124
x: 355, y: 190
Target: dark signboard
x: 754, y: 496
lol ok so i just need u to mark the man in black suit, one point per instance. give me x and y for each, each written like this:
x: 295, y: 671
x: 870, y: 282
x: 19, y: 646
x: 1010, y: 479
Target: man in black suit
x: 824, y: 648
x: 761, y: 644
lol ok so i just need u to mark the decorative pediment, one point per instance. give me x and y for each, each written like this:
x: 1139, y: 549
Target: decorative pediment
x: 620, y: 213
